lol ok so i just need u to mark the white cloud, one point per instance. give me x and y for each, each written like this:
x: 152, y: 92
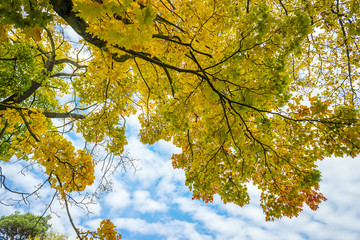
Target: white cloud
x: 118, y: 198
x: 174, y: 229
x: 19, y: 177
x: 171, y: 184
x: 153, y: 166
x: 227, y: 227
x: 144, y: 203
x: 133, y: 125
x: 8, y: 210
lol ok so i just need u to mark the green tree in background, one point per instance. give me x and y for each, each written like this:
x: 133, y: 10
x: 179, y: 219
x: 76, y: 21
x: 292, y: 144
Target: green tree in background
x: 21, y: 226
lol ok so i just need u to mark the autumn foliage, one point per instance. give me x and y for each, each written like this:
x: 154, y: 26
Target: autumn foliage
x: 253, y: 92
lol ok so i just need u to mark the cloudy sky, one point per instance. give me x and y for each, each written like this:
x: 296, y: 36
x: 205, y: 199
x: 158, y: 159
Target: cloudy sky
x: 154, y: 203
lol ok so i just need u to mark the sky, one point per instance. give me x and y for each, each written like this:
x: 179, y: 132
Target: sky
x: 154, y: 203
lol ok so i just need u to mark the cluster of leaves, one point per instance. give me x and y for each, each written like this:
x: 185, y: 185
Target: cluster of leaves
x: 106, y: 231
x: 19, y: 68
x: 29, y: 15
x: 25, y: 13
x: 67, y: 170
x: 128, y: 24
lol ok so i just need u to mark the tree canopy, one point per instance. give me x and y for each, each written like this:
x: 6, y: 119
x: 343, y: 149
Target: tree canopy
x: 23, y: 226
x: 253, y: 92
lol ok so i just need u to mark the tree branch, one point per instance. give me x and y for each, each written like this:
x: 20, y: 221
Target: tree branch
x: 49, y: 65
x: 65, y: 75
x: 47, y: 114
x: 64, y: 115
x: 65, y: 10
x: 68, y: 212
x: 28, y: 126
x: 66, y: 60
x: 18, y: 99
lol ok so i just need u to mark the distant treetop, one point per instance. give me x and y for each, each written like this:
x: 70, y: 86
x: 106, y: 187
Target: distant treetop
x: 21, y: 226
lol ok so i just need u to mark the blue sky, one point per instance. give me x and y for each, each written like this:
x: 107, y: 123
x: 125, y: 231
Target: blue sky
x: 154, y: 203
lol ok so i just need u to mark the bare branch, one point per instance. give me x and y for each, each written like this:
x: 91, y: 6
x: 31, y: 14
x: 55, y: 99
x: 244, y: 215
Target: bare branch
x: 66, y: 75
x: 66, y: 60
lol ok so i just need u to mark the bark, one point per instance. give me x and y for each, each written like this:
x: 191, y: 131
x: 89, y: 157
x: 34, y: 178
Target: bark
x: 63, y: 115
x: 47, y: 114
x: 18, y: 99
x: 64, y: 9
